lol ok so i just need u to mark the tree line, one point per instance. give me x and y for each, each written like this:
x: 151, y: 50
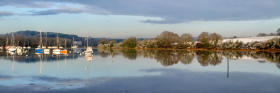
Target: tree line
x: 204, y: 57
x: 205, y: 40
x: 166, y: 39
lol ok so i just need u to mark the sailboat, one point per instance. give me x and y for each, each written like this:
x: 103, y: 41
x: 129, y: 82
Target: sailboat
x: 46, y: 50
x: 60, y: 47
x: 39, y: 48
x: 19, y: 48
x: 28, y: 47
x: 56, y: 51
x: 7, y: 44
x: 65, y: 50
x: 24, y: 46
x: 74, y: 46
x: 12, y: 48
x: 89, y: 49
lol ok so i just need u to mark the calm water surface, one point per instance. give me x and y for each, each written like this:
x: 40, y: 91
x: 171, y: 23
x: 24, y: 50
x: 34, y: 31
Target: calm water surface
x: 140, y: 71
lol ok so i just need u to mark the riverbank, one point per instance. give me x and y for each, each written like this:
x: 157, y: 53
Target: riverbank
x: 274, y: 50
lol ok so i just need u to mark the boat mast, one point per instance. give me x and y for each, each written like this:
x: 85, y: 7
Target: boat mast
x: 40, y: 43
x: 57, y: 40
x: 73, y: 42
x: 13, y: 38
x: 46, y: 40
x: 7, y: 41
x: 87, y: 36
x: 65, y: 43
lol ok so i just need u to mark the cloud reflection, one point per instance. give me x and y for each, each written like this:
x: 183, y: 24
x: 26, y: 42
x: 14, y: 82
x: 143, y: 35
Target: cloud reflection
x: 171, y: 80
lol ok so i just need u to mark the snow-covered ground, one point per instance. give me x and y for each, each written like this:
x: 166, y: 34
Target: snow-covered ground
x: 251, y: 39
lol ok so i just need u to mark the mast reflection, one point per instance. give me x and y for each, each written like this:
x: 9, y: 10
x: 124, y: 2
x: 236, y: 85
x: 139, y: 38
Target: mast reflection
x: 13, y: 63
x: 40, y: 56
x: 227, y: 67
x: 89, y: 58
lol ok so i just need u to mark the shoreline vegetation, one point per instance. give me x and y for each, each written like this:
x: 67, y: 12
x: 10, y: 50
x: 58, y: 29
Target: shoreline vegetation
x: 274, y: 50
x: 166, y: 40
x: 205, y: 41
x: 204, y: 57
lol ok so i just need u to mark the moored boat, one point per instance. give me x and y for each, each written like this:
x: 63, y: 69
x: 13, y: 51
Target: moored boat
x: 89, y: 49
x: 39, y: 48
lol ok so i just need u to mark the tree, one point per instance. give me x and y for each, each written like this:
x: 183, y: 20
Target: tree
x: 103, y: 41
x: 202, y: 36
x: 166, y: 38
x: 112, y: 42
x: 130, y: 42
x: 185, y: 41
x: 205, y: 40
x: 186, y: 38
x: 215, y: 39
x: 272, y: 34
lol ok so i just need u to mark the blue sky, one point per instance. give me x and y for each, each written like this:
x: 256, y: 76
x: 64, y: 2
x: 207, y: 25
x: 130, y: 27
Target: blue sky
x: 141, y: 18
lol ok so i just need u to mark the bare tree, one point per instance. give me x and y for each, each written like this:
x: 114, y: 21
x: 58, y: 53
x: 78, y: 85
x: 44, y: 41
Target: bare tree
x: 166, y: 38
x: 203, y: 36
x: 186, y: 38
x: 215, y: 39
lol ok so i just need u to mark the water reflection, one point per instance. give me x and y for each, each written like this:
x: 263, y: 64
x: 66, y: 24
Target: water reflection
x: 132, y: 69
x: 164, y: 57
x: 205, y: 58
x: 88, y: 56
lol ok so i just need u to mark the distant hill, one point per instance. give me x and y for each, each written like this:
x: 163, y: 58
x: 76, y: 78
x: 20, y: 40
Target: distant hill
x: 92, y: 41
x: 29, y: 33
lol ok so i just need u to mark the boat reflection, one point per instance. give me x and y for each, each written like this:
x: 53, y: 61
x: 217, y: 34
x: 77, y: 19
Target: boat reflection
x: 41, y: 63
x: 65, y: 54
x: 88, y: 56
x: 46, y: 52
x: 56, y: 52
x: 13, y: 62
x: 205, y: 58
x: 164, y: 57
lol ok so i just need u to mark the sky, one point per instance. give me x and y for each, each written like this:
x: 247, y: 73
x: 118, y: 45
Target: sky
x: 141, y: 18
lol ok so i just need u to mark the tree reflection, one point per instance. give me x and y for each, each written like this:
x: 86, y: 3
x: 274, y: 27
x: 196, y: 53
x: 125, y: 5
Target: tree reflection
x: 186, y: 57
x: 104, y: 53
x: 206, y: 58
x: 129, y: 53
x: 167, y: 57
x: 232, y: 54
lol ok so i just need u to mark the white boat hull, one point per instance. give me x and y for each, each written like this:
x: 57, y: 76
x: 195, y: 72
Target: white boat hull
x: 46, y: 50
x: 74, y: 46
